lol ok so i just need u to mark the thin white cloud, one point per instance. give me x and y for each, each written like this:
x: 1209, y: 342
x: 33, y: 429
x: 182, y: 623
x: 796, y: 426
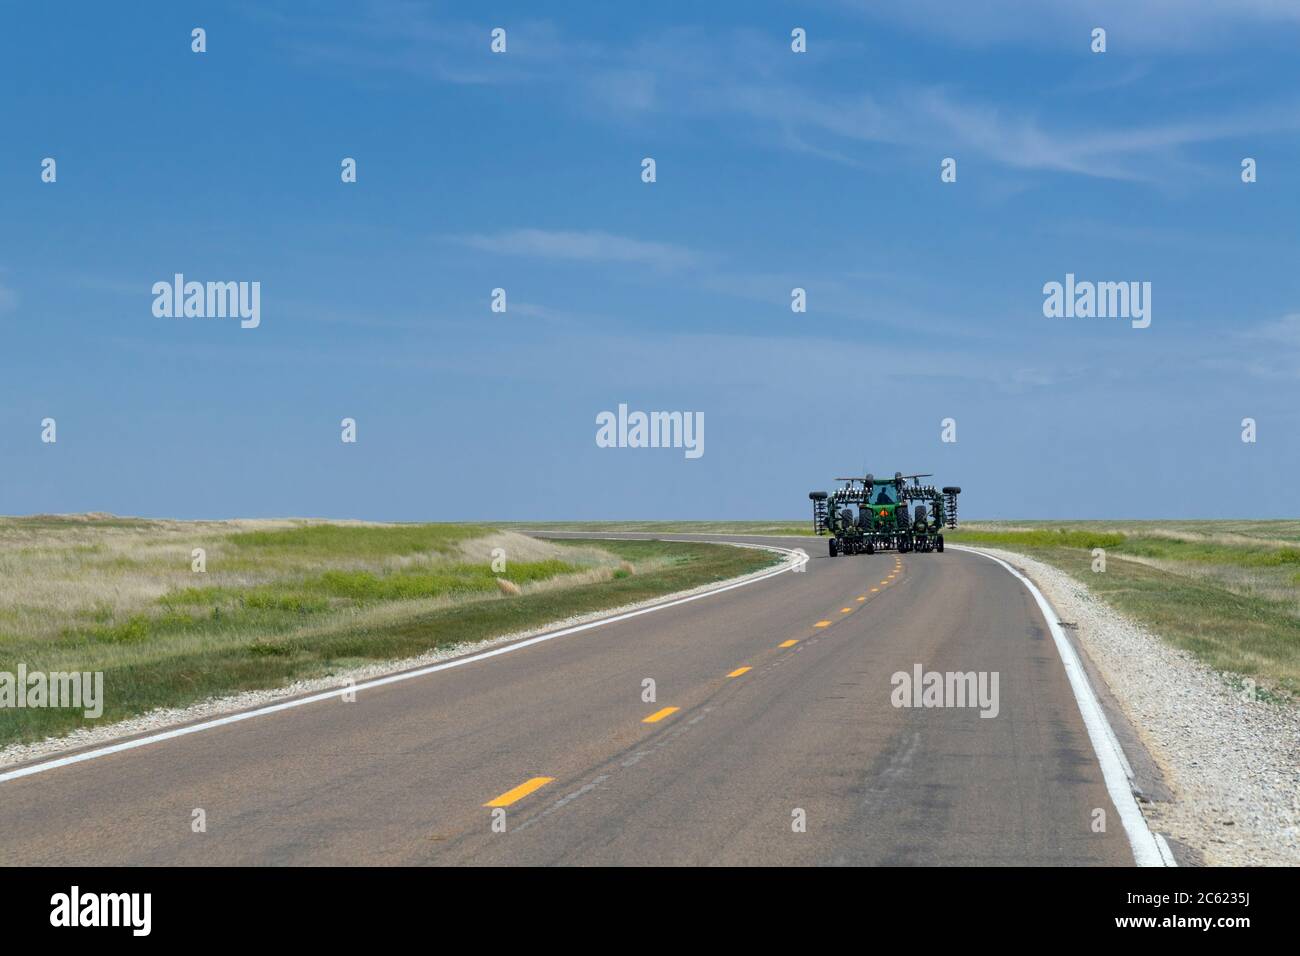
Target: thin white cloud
x: 1285, y: 330
x: 699, y: 75
x: 1023, y: 143
x: 693, y: 74
x: 392, y: 36
x: 1137, y: 27
x: 590, y: 246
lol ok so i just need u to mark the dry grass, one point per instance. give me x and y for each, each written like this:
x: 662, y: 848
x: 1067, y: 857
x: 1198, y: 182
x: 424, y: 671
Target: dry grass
x: 60, y: 570
x: 62, y: 573
x: 287, y: 600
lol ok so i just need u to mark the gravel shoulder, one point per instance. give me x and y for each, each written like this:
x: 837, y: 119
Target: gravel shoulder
x: 1231, y: 762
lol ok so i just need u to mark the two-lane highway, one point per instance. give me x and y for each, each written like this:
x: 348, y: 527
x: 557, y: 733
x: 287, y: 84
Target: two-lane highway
x: 772, y: 738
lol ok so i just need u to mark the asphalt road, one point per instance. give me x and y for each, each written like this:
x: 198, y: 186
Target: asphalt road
x: 403, y: 774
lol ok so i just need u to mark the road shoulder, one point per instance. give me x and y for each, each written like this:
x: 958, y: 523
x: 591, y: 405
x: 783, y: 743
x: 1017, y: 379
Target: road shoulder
x: 1218, y: 771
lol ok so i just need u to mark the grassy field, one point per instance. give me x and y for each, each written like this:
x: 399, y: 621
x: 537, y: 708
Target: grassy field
x: 1228, y: 591
x: 287, y: 600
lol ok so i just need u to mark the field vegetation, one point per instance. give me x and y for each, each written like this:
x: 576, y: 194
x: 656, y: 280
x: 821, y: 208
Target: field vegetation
x: 285, y: 600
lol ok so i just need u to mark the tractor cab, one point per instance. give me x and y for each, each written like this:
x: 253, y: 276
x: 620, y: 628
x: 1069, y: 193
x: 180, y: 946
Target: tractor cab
x: 882, y: 500
x: 884, y: 495
x: 880, y: 504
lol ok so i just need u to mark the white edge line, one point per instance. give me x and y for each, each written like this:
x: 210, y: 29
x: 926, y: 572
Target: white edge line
x: 1149, y: 848
x: 795, y: 560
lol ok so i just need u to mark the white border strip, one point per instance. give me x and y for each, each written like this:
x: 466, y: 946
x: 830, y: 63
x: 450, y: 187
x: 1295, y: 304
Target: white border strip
x: 795, y: 560
x: 1149, y: 848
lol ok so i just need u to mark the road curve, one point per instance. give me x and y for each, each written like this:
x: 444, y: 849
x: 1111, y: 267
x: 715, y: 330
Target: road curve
x: 772, y: 706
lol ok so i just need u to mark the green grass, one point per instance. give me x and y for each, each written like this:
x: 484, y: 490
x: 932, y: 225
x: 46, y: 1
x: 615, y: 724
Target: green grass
x: 1042, y: 538
x: 358, y: 541
x: 1224, y: 590
x: 276, y: 607
x: 198, y: 641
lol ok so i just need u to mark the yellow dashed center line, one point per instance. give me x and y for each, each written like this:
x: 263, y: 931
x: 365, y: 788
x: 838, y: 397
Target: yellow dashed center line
x: 659, y: 715
x: 536, y: 783
x: 519, y: 792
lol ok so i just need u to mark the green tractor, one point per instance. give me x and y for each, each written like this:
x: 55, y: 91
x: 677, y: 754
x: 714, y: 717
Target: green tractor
x: 891, y: 514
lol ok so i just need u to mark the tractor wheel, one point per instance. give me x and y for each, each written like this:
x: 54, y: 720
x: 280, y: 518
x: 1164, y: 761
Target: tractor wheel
x: 939, y: 543
x: 835, y: 547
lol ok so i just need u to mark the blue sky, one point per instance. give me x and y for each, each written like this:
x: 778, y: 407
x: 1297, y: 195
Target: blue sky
x: 522, y: 171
